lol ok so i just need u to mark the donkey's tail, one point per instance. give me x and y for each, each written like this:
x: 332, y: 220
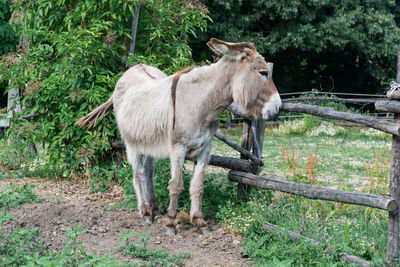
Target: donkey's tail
x: 90, y: 119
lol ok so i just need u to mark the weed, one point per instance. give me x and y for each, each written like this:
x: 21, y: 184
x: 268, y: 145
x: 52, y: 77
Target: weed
x: 311, y: 166
x: 17, y: 245
x: 13, y: 196
x: 100, y: 179
x: 377, y: 174
x: 153, y: 258
x: 72, y: 254
x: 292, y: 160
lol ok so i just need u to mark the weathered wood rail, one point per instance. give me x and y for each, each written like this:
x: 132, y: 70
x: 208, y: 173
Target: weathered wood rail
x: 315, y: 192
x: 326, y: 112
x: 333, y: 99
x: 224, y: 162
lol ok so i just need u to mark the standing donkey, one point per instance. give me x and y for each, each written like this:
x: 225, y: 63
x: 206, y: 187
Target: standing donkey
x: 176, y: 116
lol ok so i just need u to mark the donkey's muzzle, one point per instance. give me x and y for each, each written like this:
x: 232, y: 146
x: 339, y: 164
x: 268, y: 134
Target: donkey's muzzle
x: 271, y: 108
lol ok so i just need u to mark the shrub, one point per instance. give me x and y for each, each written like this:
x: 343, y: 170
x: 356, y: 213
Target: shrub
x: 72, y: 66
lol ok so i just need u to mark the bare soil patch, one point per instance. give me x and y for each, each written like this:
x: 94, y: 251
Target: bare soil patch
x: 64, y: 204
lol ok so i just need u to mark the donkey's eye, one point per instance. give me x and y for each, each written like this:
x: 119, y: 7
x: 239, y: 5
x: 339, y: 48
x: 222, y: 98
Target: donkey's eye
x: 264, y: 73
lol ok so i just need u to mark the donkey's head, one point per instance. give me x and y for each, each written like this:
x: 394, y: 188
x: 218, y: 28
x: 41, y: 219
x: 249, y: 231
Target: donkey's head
x: 253, y: 89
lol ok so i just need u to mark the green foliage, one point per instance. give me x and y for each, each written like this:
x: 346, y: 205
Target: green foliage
x: 17, y: 245
x: 72, y: 66
x: 22, y: 247
x: 16, y: 155
x: 72, y: 254
x: 13, y: 196
x: 8, y: 38
x: 341, y: 45
x: 154, y: 258
x: 103, y: 175
x: 164, y: 31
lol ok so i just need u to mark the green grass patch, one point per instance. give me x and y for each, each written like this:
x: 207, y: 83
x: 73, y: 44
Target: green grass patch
x: 14, y: 196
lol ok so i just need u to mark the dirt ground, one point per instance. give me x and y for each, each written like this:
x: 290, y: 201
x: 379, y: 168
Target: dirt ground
x: 64, y: 204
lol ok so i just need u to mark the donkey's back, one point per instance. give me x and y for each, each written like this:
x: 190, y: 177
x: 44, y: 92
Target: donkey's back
x: 143, y: 110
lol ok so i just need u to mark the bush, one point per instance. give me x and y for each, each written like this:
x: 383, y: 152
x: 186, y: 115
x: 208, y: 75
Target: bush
x: 72, y: 66
x: 8, y: 36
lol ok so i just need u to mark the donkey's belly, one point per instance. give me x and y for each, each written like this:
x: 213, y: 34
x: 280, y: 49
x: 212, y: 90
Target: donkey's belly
x: 143, y: 118
x: 155, y: 151
x: 151, y: 141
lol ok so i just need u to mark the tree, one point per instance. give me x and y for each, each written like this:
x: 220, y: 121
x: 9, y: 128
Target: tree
x: 8, y: 38
x: 341, y: 45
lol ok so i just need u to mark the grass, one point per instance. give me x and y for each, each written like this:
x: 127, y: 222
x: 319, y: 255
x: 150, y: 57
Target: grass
x: 344, y: 156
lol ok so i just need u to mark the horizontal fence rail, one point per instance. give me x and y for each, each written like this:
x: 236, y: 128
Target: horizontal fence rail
x: 238, y: 148
x: 224, y: 162
x: 379, y: 124
x: 331, y: 93
x: 315, y: 192
x: 391, y: 106
x: 233, y: 163
x: 332, y: 99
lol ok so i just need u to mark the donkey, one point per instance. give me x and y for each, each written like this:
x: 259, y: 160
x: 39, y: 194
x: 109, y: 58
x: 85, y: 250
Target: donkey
x: 176, y: 116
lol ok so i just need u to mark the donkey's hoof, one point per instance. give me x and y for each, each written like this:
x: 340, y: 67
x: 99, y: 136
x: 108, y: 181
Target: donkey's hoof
x: 204, y: 230
x: 170, y: 230
x: 147, y: 220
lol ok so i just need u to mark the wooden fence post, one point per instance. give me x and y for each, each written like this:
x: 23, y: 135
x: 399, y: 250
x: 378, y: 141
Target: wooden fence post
x: 243, y: 190
x: 13, y: 103
x: 392, y: 249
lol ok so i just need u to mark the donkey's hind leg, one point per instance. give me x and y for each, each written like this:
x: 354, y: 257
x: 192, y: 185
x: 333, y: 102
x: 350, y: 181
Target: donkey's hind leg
x: 139, y: 184
x: 197, y: 189
x: 148, y: 163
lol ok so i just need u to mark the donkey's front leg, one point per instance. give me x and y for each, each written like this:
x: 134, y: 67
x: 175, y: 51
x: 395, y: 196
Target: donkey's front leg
x: 197, y: 189
x: 175, y: 185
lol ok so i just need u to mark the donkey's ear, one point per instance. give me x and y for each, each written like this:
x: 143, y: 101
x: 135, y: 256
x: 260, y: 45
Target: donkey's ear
x: 217, y: 46
x: 230, y: 49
